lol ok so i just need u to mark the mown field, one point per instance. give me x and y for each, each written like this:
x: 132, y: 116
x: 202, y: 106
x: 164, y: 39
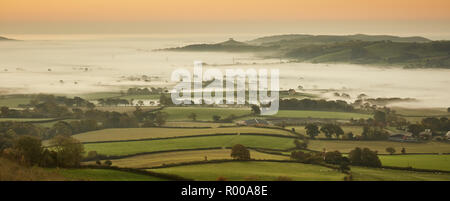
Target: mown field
x: 435, y: 162
x: 134, y: 147
x: 117, y: 134
x: 319, y: 114
x: 377, y: 174
x: 345, y: 146
x: 253, y: 170
x: 158, y: 159
x: 103, y: 175
x: 203, y: 113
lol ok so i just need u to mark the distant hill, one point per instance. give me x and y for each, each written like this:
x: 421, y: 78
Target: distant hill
x: 228, y: 46
x: 300, y: 39
x: 410, y: 52
x: 4, y: 39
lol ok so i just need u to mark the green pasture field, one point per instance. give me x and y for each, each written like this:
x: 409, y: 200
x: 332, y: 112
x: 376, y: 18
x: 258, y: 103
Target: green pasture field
x: 196, y: 124
x: 13, y: 101
x: 319, y: 114
x: 254, y: 170
x: 435, y: 162
x: 203, y: 113
x: 134, y: 147
x: 104, y: 175
x: 158, y: 159
x: 377, y: 174
x: 117, y: 134
x: 345, y: 146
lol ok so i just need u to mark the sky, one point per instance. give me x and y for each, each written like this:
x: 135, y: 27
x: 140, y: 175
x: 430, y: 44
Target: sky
x: 249, y: 16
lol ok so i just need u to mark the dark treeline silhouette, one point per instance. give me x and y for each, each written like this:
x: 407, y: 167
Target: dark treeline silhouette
x: 309, y: 104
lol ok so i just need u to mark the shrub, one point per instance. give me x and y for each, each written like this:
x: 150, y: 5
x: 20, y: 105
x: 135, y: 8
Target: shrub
x: 108, y: 163
x: 221, y: 178
x: 390, y: 150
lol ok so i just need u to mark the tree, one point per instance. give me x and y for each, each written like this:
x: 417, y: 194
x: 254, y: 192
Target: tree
x: 403, y: 150
x: 240, y: 152
x: 312, y: 130
x: 328, y: 130
x: 364, y: 157
x: 69, y: 151
x: 161, y: 118
x: 29, y: 149
x: 379, y: 117
x: 338, y: 131
x: 256, y: 110
x: 193, y: 116
x: 216, y: 118
x: 390, y: 150
x: 415, y: 129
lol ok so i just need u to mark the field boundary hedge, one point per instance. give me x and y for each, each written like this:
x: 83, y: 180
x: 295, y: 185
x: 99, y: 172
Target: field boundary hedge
x: 414, y: 169
x: 137, y: 171
x: 192, y: 136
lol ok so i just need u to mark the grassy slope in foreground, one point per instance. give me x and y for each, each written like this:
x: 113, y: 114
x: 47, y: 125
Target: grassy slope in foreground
x: 346, y: 146
x: 25, y: 119
x: 320, y: 114
x: 146, y: 133
x: 134, y: 147
x: 376, y: 174
x: 152, y: 160
x: 435, y: 162
x: 254, y: 170
x: 104, y: 175
x: 203, y: 113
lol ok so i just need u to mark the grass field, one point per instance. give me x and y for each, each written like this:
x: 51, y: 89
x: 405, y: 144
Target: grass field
x: 375, y: 174
x: 14, y: 101
x: 345, y: 146
x: 319, y: 114
x: 196, y: 124
x: 152, y: 160
x: 145, y: 133
x: 435, y: 162
x: 104, y: 175
x: 203, y: 113
x: 133, y: 147
x: 253, y: 170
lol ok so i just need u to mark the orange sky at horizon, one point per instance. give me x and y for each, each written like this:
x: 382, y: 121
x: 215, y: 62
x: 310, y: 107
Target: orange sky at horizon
x: 12, y: 11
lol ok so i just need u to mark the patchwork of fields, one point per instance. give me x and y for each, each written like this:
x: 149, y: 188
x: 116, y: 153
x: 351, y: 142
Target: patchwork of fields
x: 135, y: 147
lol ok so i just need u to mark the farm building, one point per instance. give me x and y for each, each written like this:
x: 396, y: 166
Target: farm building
x: 407, y: 137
